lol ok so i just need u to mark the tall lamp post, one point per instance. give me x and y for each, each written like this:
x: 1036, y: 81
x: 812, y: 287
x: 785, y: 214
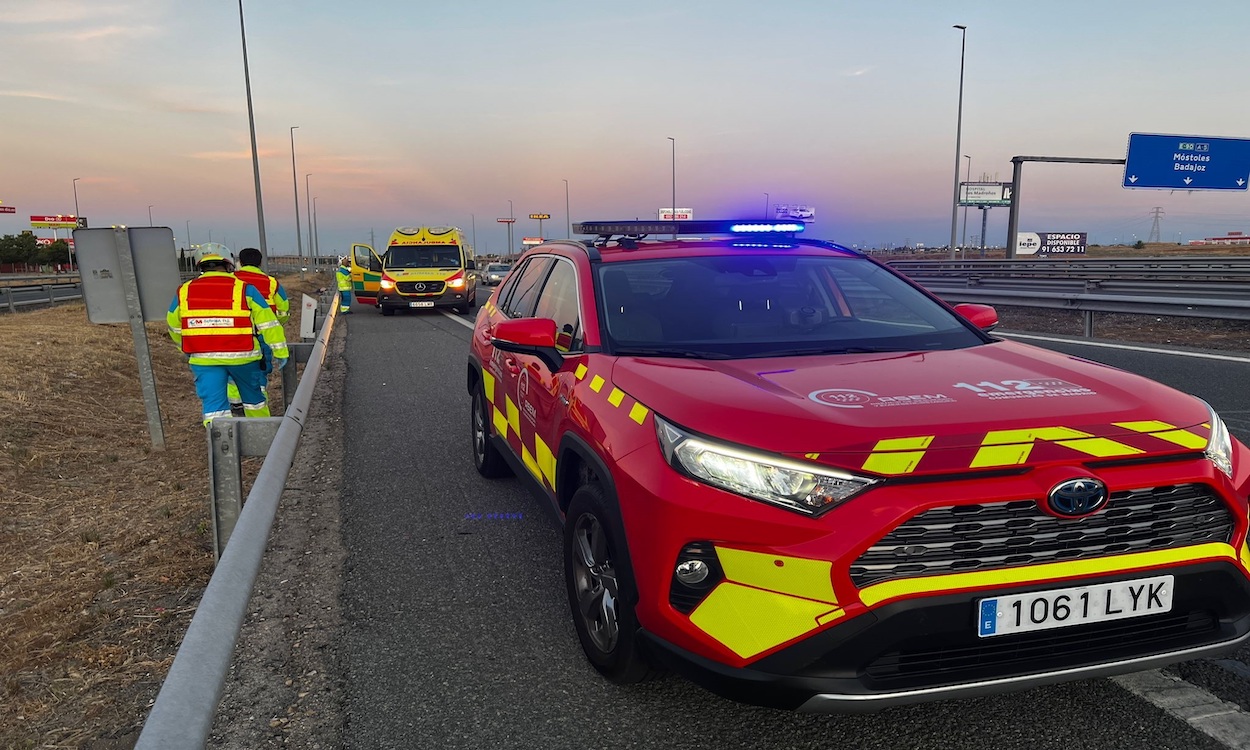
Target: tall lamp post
x: 959, y: 127
x: 766, y: 201
x: 150, y: 215
x: 70, y: 252
x: 316, y: 235
x: 963, y: 238
x: 510, y: 223
x: 251, y: 123
x: 312, y: 247
x: 674, y: 140
x: 299, y: 243
x: 568, y: 223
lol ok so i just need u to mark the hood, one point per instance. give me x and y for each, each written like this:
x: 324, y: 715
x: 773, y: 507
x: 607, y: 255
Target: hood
x: 843, y: 407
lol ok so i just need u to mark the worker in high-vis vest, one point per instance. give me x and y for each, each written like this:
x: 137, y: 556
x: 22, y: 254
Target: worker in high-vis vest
x: 217, y: 318
x: 250, y: 271
x: 344, y: 274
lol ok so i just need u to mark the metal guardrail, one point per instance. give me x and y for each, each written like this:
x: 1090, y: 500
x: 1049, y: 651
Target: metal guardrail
x: 182, y: 716
x: 1234, y: 268
x: 37, y: 294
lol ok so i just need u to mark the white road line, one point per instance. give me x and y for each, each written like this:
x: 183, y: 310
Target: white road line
x: 466, y: 323
x: 1223, y: 721
x: 1129, y: 347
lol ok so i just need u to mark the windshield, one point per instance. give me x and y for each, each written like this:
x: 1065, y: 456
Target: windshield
x: 497, y: 268
x: 770, y: 305
x: 423, y: 256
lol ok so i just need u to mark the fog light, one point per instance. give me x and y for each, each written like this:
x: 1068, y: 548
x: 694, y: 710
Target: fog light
x: 692, y: 572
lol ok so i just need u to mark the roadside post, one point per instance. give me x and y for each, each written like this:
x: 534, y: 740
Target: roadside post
x: 129, y: 276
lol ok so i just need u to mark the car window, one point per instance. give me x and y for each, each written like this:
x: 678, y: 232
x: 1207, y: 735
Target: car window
x: 771, y: 305
x: 521, y: 290
x: 558, y: 301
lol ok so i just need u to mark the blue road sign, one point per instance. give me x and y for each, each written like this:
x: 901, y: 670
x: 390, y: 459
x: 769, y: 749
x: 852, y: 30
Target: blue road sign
x: 1187, y: 162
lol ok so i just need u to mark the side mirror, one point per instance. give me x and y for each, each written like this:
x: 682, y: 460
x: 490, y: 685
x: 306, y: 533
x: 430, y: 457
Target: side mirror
x: 981, y: 316
x: 533, y: 336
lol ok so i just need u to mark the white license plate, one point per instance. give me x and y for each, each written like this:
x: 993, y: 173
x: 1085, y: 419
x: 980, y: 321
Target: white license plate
x: 429, y: 303
x: 1061, y: 608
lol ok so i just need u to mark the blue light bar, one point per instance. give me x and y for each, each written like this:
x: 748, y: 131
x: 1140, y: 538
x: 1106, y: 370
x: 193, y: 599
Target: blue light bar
x: 693, y: 227
x: 786, y: 228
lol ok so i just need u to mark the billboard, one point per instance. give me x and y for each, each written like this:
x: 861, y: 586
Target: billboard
x: 1051, y: 243
x: 794, y: 212
x: 676, y: 214
x: 985, y: 193
x: 58, y: 221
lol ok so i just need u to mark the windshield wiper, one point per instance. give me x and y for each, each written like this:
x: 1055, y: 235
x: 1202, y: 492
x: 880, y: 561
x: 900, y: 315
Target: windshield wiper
x: 828, y: 350
x: 631, y: 351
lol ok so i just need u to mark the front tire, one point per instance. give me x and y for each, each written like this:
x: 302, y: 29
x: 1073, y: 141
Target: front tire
x: 601, y: 589
x: 487, y: 459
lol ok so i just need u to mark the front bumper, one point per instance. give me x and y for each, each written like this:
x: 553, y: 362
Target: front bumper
x: 397, y: 301
x: 925, y: 649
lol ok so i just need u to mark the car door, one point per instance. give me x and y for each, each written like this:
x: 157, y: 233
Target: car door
x: 516, y: 300
x: 366, y: 269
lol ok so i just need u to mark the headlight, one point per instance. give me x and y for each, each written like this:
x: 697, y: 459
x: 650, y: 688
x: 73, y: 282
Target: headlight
x: 387, y: 284
x: 1220, y: 444
x: 455, y: 283
x: 807, y: 489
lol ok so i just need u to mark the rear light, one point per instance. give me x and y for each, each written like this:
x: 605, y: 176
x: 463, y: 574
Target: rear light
x: 456, y: 281
x: 387, y: 282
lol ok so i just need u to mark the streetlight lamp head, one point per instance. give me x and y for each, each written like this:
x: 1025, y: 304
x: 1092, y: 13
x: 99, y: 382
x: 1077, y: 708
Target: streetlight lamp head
x: 957, y: 26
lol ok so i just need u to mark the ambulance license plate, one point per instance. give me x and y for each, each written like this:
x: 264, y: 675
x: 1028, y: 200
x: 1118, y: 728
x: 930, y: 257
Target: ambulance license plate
x: 1062, y: 608
x: 428, y: 303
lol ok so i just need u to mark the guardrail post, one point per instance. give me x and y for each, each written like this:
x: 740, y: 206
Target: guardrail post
x: 8, y: 299
x: 225, y: 480
x: 51, y: 294
x: 1087, y: 317
x: 300, y: 352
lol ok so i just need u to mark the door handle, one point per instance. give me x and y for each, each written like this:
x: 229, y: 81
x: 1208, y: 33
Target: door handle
x: 512, y: 365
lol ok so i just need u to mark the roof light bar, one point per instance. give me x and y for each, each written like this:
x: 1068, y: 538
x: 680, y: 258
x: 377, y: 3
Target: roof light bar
x: 697, y: 227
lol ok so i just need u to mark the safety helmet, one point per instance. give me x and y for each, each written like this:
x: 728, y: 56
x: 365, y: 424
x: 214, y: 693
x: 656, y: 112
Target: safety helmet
x: 344, y: 261
x: 211, y: 259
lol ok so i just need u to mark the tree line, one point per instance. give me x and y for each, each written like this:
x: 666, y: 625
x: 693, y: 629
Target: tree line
x: 21, y: 248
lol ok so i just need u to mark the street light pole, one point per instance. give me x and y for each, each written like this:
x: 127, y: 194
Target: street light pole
x: 959, y: 127
x: 674, y: 209
x: 299, y: 243
x: 69, y: 250
x: 568, y: 223
x: 251, y: 123
x: 312, y: 250
x: 766, y: 201
x: 316, y: 237
x: 76, y: 179
x: 513, y: 218
x: 963, y: 239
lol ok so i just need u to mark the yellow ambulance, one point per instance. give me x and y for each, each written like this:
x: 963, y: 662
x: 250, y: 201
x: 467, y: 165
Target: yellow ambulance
x: 422, y: 267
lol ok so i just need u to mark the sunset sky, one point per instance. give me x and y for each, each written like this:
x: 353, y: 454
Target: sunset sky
x: 430, y: 113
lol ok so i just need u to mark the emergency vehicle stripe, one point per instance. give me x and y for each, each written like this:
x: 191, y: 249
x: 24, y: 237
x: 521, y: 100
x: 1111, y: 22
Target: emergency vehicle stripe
x: 1012, y: 447
x: 897, y: 455
x: 488, y: 387
x: 616, y: 396
x: 638, y: 412
x: 1165, y: 431
x: 596, y: 383
x: 748, y: 620
x: 796, y: 576
x: 1100, y: 447
x: 1245, y: 555
x: 1047, y: 572
x: 527, y: 458
x: 580, y: 372
x: 500, y: 421
x: 811, y: 456
x: 514, y: 416
x: 546, y: 461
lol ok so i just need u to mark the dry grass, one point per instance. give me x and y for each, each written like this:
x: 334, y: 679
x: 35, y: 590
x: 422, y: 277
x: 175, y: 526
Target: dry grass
x: 105, y: 543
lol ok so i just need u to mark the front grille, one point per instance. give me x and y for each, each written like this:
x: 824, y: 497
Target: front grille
x: 426, y: 287
x: 922, y: 660
x: 991, y: 536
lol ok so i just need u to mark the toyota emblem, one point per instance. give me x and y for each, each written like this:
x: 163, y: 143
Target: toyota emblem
x: 1077, y: 497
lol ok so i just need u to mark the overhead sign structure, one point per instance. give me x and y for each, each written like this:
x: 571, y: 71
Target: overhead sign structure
x: 540, y: 216
x: 676, y: 214
x: 1186, y: 162
x: 58, y: 221
x: 1051, y: 243
x: 985, y: 194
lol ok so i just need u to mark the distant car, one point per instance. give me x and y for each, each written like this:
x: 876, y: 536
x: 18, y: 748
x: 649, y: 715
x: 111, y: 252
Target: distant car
x: 495, y: 273
x: 803, y: 481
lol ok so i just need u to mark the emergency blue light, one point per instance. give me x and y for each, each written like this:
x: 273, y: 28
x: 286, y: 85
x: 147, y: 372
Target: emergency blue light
x: 694, y: 227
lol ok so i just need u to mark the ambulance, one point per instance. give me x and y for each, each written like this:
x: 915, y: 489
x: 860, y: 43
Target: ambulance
x: 421, y: 268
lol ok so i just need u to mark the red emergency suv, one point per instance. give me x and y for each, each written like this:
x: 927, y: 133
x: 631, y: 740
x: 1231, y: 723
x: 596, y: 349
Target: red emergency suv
x: 801, y: 480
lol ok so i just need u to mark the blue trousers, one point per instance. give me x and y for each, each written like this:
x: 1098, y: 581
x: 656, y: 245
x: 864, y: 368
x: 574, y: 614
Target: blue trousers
x: 345, y: 300
x: 210, y: 386
x: 266, y: 358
